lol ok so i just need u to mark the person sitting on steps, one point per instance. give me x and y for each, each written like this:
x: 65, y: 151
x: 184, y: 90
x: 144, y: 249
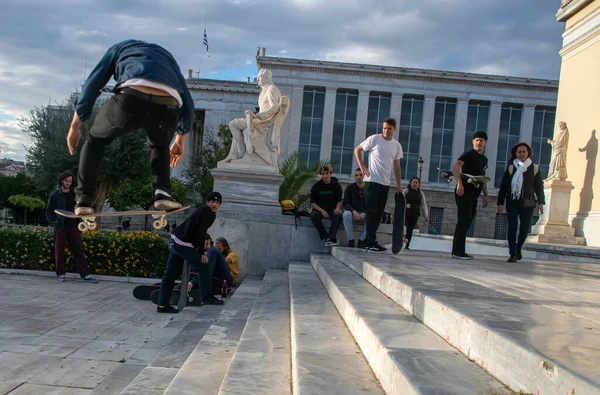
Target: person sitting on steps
x: 355, y: 209
x: 326, y: 202
x: 217, y: 264
x: 231, y: 257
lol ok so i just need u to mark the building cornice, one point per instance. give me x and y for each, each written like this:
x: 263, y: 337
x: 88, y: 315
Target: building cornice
x: 222, y: 85
x: 568, y: 8
x: 404, y: 73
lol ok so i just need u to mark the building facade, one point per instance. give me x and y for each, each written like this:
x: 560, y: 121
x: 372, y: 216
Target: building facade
x: 578, y: 101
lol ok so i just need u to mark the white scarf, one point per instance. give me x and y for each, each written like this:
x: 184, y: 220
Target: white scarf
x: 516, y: 185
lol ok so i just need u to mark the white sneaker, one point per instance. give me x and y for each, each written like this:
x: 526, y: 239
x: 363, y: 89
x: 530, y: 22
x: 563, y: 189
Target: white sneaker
x: 83, y: 210
x: 62, y: 278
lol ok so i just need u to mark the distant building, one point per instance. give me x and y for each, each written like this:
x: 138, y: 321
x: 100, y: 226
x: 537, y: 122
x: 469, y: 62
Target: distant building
x: 9, y: 167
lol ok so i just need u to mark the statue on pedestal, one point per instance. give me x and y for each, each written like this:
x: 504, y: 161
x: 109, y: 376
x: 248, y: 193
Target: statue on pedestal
x: 256, y: 137
x: 558, y: 164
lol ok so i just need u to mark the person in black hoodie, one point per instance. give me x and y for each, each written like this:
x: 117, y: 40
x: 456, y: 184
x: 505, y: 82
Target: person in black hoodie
x: 523, y: 190
x: 355, y: 208
x: 65, y: 229
x: 183, y: 245
x: 326, y: 202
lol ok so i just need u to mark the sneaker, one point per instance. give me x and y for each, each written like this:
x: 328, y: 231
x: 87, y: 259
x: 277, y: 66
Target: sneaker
x: 512, y: 259
x: 166, y: 203
x: 350, y: 244
x: 519, y: 255
x: 83, y: 209
x: 331, y: 243
x: 90, y: 279
x: 167, y: 309
x: 212, y: 300
x: 361, y: 244
x: 377, y: 248
x: 62, y: 278
x: 463, y: 256
x: 406, y: 248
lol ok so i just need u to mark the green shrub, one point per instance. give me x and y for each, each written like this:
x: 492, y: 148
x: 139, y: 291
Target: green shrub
x: 135, y: 254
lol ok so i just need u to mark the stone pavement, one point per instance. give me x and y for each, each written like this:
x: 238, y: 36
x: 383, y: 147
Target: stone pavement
x: 74, y: 338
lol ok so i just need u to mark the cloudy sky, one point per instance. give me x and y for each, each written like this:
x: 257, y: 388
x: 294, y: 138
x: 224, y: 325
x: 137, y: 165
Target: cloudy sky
x: 44, y: 43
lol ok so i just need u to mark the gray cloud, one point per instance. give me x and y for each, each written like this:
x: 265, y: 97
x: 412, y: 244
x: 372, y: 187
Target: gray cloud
x: 44, y: 45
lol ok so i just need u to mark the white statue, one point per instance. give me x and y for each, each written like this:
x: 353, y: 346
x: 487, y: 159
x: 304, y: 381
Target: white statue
x: 256, y: 137
x: 558, y: 164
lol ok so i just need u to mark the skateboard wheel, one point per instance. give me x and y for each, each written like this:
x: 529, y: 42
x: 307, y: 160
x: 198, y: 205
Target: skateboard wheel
x: 190, y: 299
x: 92, y: 226
x: 82, y: 226
x: 157, y: 224
x: 408, y: 205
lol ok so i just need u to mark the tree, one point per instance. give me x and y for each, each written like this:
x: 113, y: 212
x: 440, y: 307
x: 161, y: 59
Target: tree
x: 14, y: 185
x: 127, y: 158
x: 295, y: 177
x: 215, y: 148
x: 28, y: 203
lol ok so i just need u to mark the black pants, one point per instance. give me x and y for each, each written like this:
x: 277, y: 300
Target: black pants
x: 410, y: 223
x: 376, y: 196
x: 317, y: 219
x: 120, y: 115
x: 467, y: 207
x: 70, y: 236
x: 514, y: 214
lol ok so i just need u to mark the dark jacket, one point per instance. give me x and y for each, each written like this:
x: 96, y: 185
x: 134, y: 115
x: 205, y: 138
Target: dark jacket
x: 533, y: 187
x: 327, y: 196
x: 59, y: 200
x: 193, y: 229
x: 354, y: 198
x: 136, y: 59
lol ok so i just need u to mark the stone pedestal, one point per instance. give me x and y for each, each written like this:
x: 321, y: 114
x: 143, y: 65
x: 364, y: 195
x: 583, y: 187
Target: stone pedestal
x: 553, y: 226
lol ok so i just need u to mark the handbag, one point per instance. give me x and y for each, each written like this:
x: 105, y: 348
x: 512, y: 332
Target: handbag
x: 528, y: 203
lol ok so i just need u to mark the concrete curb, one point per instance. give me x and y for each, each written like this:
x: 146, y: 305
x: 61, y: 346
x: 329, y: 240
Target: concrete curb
x: 75, y: 276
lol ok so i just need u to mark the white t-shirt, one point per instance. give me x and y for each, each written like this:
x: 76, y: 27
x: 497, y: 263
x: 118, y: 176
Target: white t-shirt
x: 382, y: 154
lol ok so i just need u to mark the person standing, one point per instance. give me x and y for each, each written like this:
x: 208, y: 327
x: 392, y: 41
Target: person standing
x: 385, y: 154
x: 522, y: 188
x: 416, y: 204
x: 355, y: 208
x: 472, y: 162
x: 326, y: 202
x: 65, y: 230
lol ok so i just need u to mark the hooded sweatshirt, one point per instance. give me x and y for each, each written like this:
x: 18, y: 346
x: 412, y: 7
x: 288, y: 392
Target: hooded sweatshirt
x: 327, y: 196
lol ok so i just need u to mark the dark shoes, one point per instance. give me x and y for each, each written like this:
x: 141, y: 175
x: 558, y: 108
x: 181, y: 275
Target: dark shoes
x: 331, y: 243
x: 519, y: 255
x: 375, y: 247
x: 350, y: 244
x: 167, y: 309
x: 212, y: 300
x: 512, y: 259
x: 463, y: 256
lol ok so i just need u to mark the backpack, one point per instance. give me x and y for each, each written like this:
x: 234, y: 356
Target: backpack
x: 288, y: 207
x: 511, y: 168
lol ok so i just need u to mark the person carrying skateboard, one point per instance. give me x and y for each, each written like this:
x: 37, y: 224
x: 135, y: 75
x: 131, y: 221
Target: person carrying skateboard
x: 385, y: 154
x: 183, y: 245
x: 150, y: 94
x: 472, y: 162
x: 65, y: 230
x: 416, y: 204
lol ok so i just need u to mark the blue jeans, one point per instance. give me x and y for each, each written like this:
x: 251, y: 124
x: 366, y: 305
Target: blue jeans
x: 348, y: 225
x: 179, y: 254
x: 515, y: 214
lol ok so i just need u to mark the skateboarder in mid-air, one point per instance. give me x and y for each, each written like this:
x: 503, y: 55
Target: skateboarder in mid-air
x: 150, y: 94
x: 385, y: 154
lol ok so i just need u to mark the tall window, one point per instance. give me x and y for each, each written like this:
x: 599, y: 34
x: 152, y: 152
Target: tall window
x: 311, y: 126
x: 477, y: 119
x: 409, y: 135
x: 443, y: 135
x: 543, y: 125
x: 344, y: 128
x: 379, y: 109
x: 509, y: 135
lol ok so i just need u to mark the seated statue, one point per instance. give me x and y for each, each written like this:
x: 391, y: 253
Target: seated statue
x: 256, y: 137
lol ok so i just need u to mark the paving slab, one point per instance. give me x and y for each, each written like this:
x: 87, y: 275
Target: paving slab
x: 261, y: 363
x: 518, y: 336
x: 325, y: 357
x: 405, y: 355
x: 35, y: 389
x: 151, y: 381
x: 118, y: 380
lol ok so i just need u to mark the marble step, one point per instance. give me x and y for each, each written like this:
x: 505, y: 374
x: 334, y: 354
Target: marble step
x: 325, y: 357
x: 517, y: 336
x: 261, y: 363
x: 405, y: 355
x: 206, y: 366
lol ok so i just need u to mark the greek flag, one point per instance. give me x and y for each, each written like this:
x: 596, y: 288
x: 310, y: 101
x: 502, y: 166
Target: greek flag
x: 205, y: 42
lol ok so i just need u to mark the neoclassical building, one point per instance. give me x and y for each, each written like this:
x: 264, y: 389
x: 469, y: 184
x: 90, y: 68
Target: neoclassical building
x: 335, y: 106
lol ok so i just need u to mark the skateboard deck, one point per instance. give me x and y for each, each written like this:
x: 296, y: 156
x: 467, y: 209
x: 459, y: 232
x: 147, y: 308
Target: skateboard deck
x: 89, y: 220
x: 471, y: 179
x: 398, y: 228
x: 143, y: 292
x: 194, y: 298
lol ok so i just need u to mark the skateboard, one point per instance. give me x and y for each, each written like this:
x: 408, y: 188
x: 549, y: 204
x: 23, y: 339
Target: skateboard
x: 477, y: 181
x: 89, y: 220
x: 398, y: 227
x: 193, y: 298
x: 143, y: 292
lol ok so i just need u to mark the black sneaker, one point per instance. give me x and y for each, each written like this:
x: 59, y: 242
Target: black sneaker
x: 463, y: 256
x: 519, y: 255
x: 512, y: 259
x: 331, y: 243
x: 377, y: 248
x: 350, y: 243
x: 361, y: 244
x: 165, y: 203
x: 167, y: 309
x: 212, y: 300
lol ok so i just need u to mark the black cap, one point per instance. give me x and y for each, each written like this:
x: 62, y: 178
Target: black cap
x: 214, y: 196
x: 480, y: 134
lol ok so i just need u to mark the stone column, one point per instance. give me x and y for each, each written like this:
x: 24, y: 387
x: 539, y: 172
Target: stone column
x: 361, y: 122
x: 328, y: 114
x: 492, y: 145
x: 396, y: 108
x: 460, y: 128
x: 293, y: 134
x: 527, y: 123
x: 427, y: 135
